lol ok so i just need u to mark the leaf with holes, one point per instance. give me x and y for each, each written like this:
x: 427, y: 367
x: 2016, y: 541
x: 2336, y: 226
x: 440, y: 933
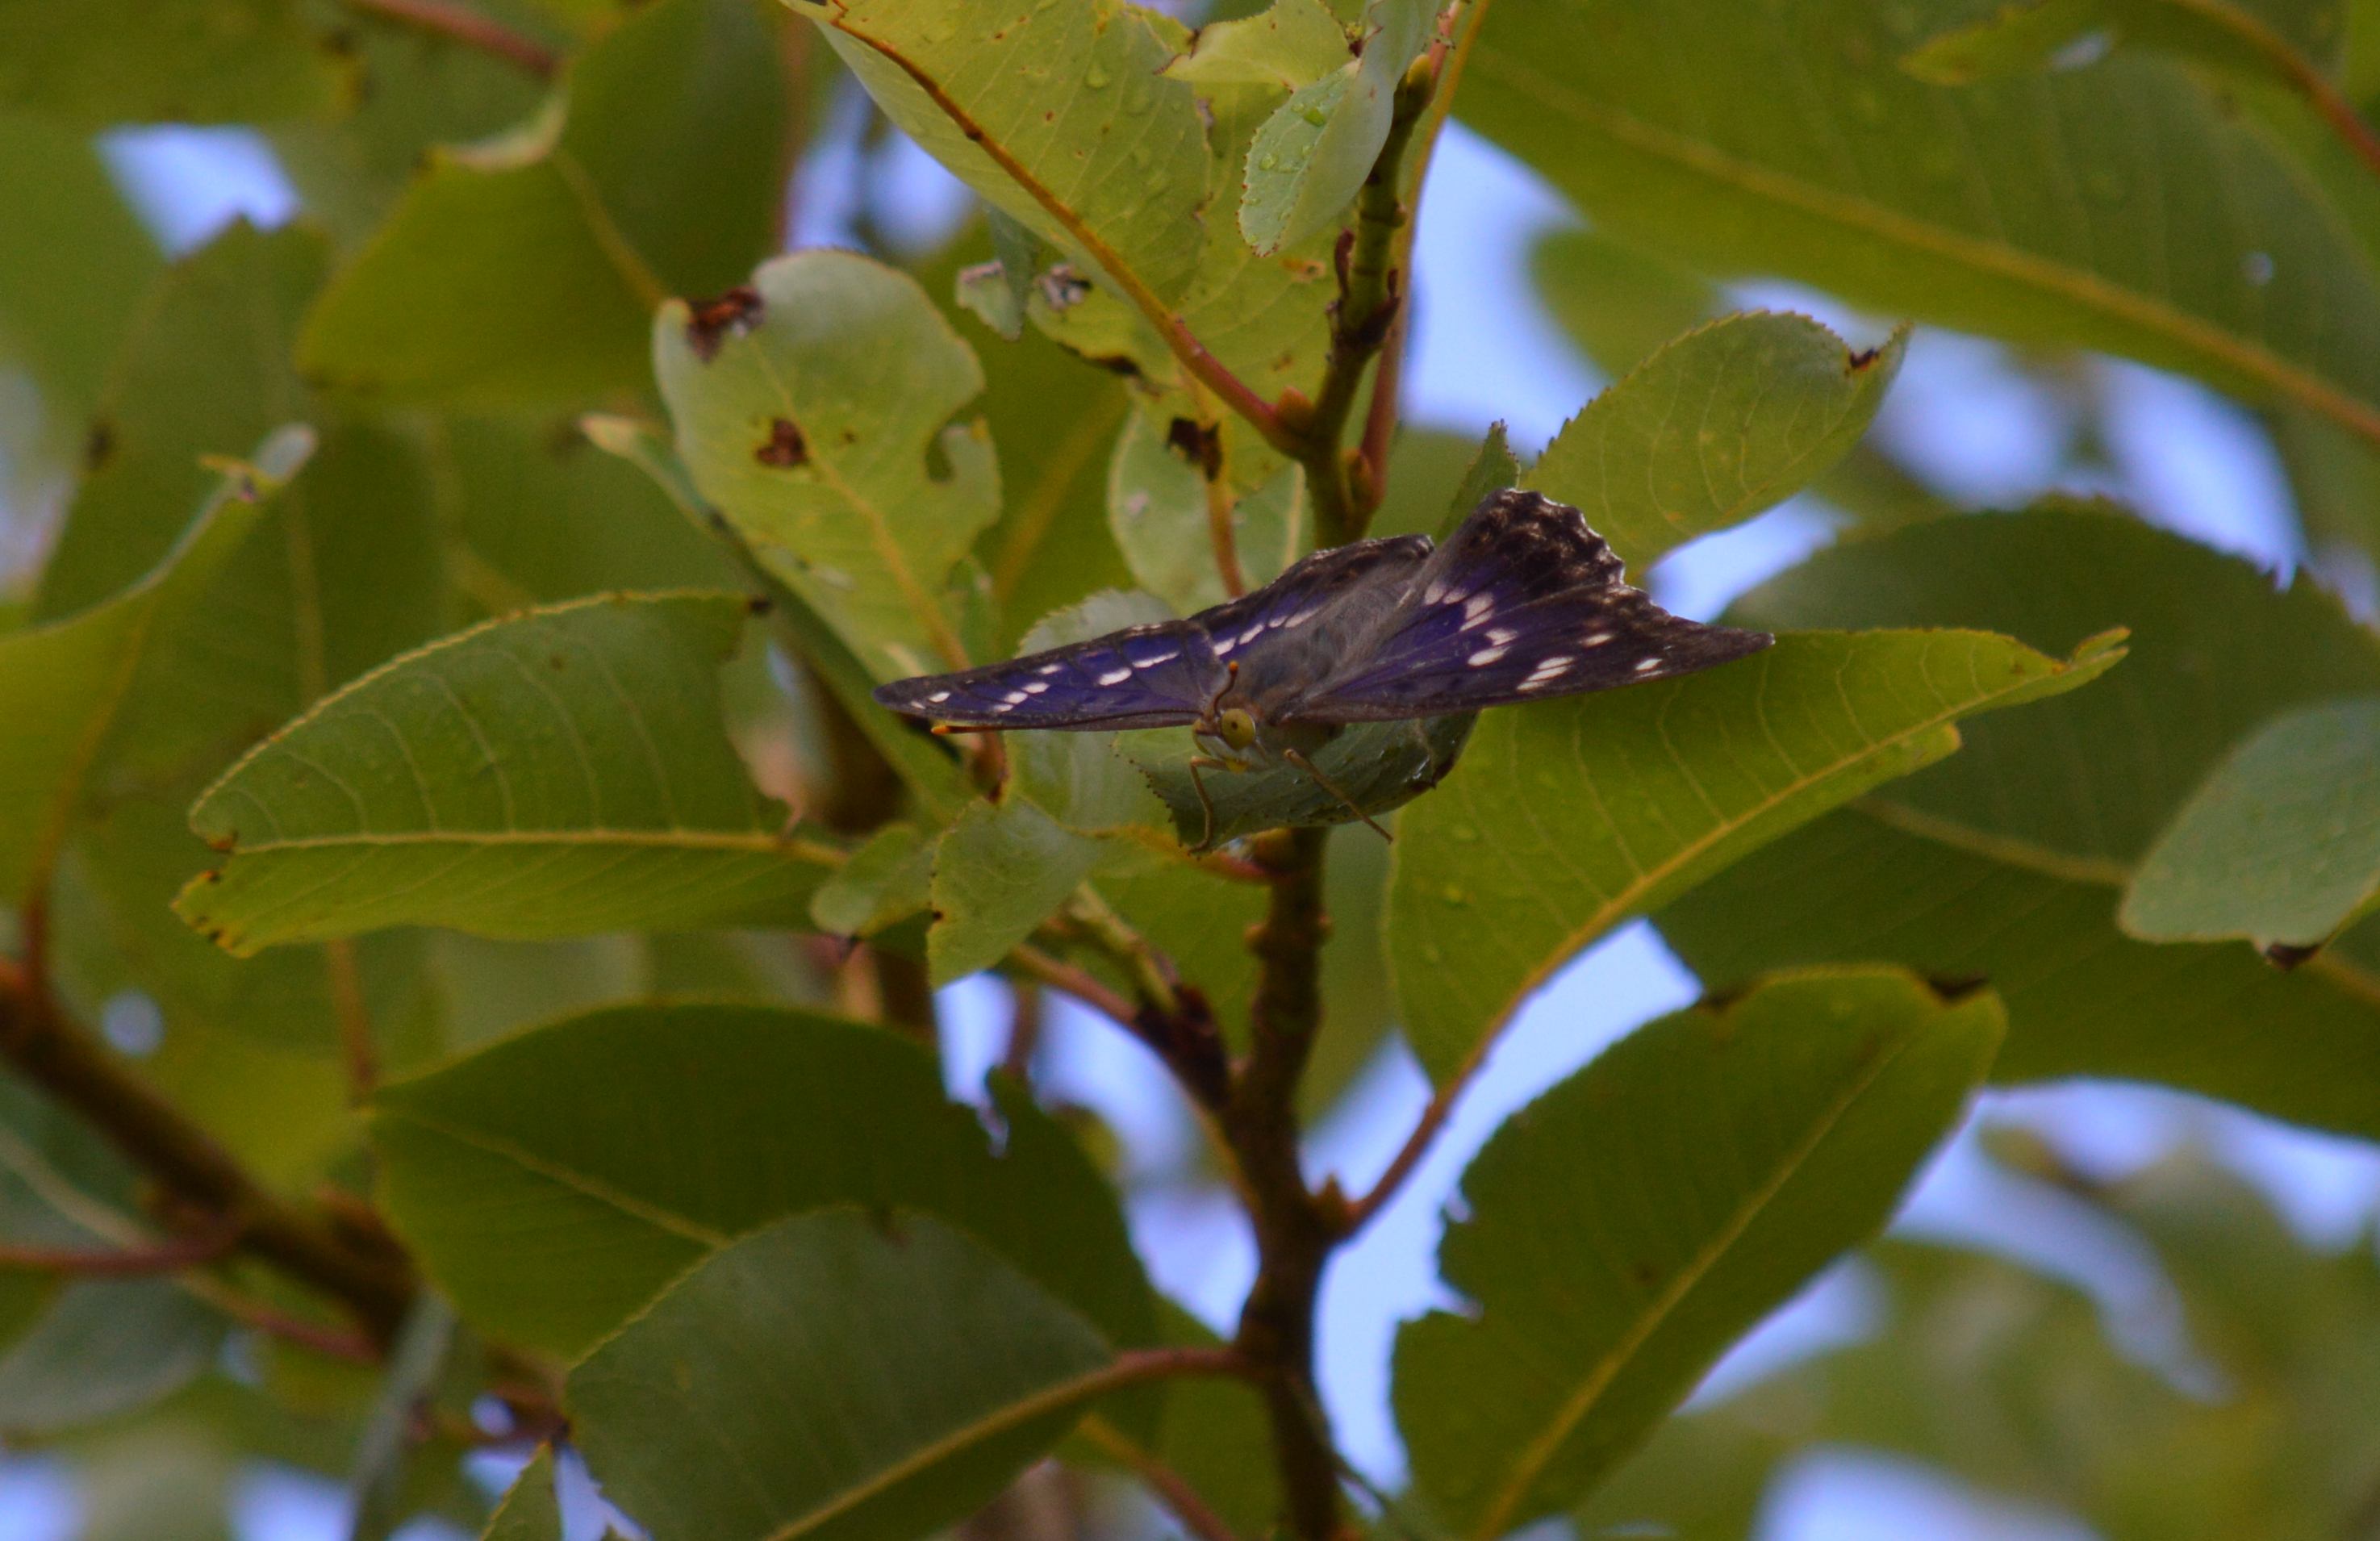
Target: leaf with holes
x: 1635, y: 1220
x: 813, y: 409
x: 560, y: 772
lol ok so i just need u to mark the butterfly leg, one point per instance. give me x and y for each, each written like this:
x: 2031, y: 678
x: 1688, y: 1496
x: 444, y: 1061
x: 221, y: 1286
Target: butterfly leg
x: 1206, y: 803
x: 1297, y: 758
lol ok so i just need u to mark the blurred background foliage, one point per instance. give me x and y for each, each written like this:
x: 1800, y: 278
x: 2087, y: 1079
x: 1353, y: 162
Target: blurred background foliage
x: 442, y: 253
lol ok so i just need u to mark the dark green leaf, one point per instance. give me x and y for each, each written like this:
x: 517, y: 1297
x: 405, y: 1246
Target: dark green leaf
x: 833, y: 1375
x: 1634, y: 1221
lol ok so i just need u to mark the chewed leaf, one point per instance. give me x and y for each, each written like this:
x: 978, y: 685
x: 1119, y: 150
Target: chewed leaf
x: 814, y: 409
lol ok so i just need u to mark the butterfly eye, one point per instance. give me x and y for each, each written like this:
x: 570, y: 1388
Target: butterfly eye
x: 1236, y: 728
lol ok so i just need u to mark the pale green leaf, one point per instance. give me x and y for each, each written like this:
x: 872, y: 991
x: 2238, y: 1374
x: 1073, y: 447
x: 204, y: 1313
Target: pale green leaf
x: 559, y: 773
x: 1618, y: 304
x: 418, y: 1361
x: 550, y: 1206
x: 531, y: 1511
x: 1628, y: 1226
x: 1568, y: 817
x: 524, y: 269
x: 1311, y: 156
x: 885, y: 881
x: 1001, y: 870
x: 2123, y: 207
x: 103, y: 1349
x: 2280, y: 844
x: 833, y: 1375
x: 1714, y: 428
x: 71, y: 675
x: 1289, y: 44
x: 1159, y: 514
x: 1058, y: 117
x: 103, y: 62
x: 811, y: 420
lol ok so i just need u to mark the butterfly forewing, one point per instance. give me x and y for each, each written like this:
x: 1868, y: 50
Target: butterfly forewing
x: 1523, y: 602
x: 1153, y: 676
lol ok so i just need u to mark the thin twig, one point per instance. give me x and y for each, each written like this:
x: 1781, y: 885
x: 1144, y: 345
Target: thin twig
x: 1170, y: 1487
x: 171, y: 1255
x: 1424, y: 1132
x: 1151, y: 973
x: 1024, y: 1028
x: 458, y: 23
x: 1036, y: 964
x: 59, y: 1056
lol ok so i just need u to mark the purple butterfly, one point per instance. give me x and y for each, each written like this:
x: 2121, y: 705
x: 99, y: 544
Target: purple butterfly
x: 1523, y: 603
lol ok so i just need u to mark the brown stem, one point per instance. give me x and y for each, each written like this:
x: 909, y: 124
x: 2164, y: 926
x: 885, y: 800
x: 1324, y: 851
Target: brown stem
x: 461, y: 24
x: 1296, y: 1229
x: 1024, y: 1028
x: 172, y: 1256
x: 1424, y: 1132
x: 65, y: 1060
x: 1457, y: 25
x: 908, y: 998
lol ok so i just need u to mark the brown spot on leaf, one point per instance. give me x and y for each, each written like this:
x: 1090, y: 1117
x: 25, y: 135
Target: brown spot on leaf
x: 785, y: 447
x: 1861, y: 357
x: 1114, y: 363
x: 99, y: 444
x: 714, y: 321
x: 2286, y: 955
x: 556, y: 663
x: 1644, y: 1273
x: 1199, y: 443
x: 759, y: 604
x: 1951, y: 988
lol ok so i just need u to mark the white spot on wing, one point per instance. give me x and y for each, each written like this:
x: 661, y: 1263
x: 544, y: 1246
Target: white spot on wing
x: 1014, y: 698
x: 1051, y: 669
x: 1116, y: 676
x: 1153, y: 659
x: 1502, y: 635
x: 1434, y: 593
x: 938, y: 698
x: 1595, y: 639
x: 1477, y: 608
x: 1547, y: 668
x: 1034, y: 687
x: 1485, y: 656
x: 1645, y: 665
x: 1001, y: 705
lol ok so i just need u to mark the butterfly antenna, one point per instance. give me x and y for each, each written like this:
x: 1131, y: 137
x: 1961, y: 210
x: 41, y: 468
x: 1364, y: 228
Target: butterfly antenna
x: 1297, y: 758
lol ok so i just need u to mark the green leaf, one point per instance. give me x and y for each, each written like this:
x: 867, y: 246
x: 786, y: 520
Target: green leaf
x: 1289, y: 44
x: 560, y: 772
x: 2009, y: 860
x: 2035, y: 209
x: 1641, y: 1216
x: 2288, y: 43
x: 104, y: 1348
x: 106, y: 62
x: 418, y: 1363
x: 1718, y: 425
x: 834, y: 1376
x: 769, y: 1113
x: 1571, y: 816
x: 71, y: 675
x: 74, y: 260
x: 930, y: 770
x: 886, y: 880
x: 2280, y: 844
x: 1158, y: 511
x: 1311, y: 156
x: 205, y: 370
x: 524, y: 269
x: 531, y: 1511
x: 1618, y: 304
x: 1058, y: 117
x: 812, y: 420
x: 1001, y: 870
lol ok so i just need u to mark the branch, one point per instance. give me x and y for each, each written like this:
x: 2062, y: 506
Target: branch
x: 1361, y: 1211
x: 1445, y: 58
x: 457, y: 23
x: 1296, y: 1229
x: 65, y: 1060
x: 171, y: 1255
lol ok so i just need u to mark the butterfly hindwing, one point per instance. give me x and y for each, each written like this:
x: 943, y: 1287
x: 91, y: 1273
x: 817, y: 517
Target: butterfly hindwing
x: 1523, y: 602
x: 1151, y: 676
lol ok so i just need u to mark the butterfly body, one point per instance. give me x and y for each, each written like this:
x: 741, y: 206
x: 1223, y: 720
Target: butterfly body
x: 1523, y: 602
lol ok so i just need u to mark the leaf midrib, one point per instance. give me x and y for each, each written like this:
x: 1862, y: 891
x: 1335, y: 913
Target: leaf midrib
x: 1540, y: 1451
x: 1993, y: 258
